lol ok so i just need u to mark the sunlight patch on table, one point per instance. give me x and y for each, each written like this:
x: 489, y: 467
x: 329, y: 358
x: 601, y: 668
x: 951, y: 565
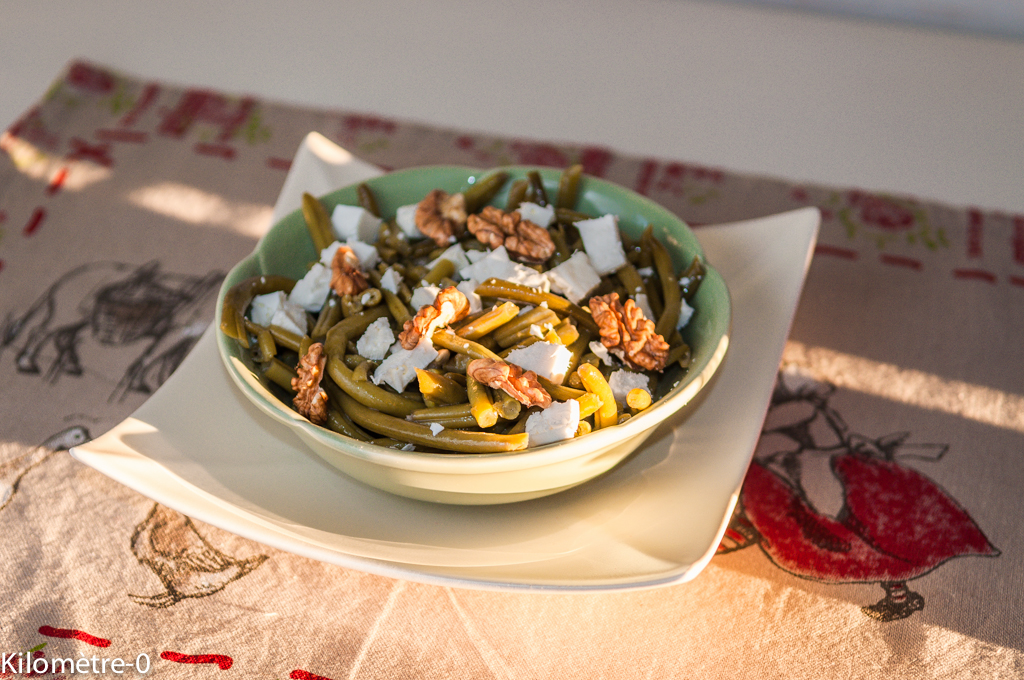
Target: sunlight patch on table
x: 37, y: 164
x: 907, y: 386
x: 195, y: 206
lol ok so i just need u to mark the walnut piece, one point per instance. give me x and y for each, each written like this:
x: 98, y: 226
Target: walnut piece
x: 310, y: 400
x: 449, y: 305
x: 524, y: 239
x: 500, y: 375
x: 346, y: 276
x: 628, y: 333
x: 441, y: 216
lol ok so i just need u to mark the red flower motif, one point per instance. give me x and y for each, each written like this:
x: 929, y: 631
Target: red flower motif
x: 882, y: 212
x: 86, y: 77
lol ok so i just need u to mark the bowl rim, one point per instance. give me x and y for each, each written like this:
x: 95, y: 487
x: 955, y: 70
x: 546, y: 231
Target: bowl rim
x: 479, y: 463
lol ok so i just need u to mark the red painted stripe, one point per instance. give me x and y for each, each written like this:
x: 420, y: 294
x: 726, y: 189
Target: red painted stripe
x: 643, y: 182
x: 223, y: 661
x: 306, y: 675
x: 34, y: 221
x: 221, y: 150
x: 279, y: 163
x: 975, y: 275
x: 901, y: 261
x: 72, y: 634
x: 57, y: 181
x: 145, y: 101
x: 132, y: 136
x: 1015, y: 280
x: 974, y: 232
x: 1018, y: 239
x: 845, y: 253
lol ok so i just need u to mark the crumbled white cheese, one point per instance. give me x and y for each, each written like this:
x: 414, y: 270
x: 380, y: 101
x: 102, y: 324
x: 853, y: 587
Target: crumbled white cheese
x: 623, y: 381
x: 525, y: 276
x: 555, y: 423
x: 376, y: 340
x: 524, y: 309
x: 685, y: 312
x: 435, y: 428
x: 354, y: 223
x: 274, y: 309
x: 405, y: 218
x: 540, y: 215
x: 399, y: 369
x: 391, y: 280
x: 497, y: 264
x: 574, y: 278
x: 327, y: 254
x: 601, y: 352
x: 468, y: 288
x: 475, y: 256
x: 310, y: 292
x: 547, y: 359
x: 602, y: 243
x: 645, y: 272
x: 535, y: 331
x: 424, y: 295
x: 644, y: 305
x: 455, y: 254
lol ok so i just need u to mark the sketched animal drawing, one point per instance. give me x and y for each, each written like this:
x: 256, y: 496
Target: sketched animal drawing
x: 169, y: 544
x: 14, y: 470
x: 115, y: 304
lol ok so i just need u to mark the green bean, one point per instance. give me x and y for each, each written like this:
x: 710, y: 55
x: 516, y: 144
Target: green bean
x: 267, y: 348
x: 443, y: 269
x: 669, y: 287
x: 364, y: 371
x: 483, y: 190
x: 240, y: 296
x: 389, y: 443
x: 536, y: 192
x: 445, y: 338
x: 448, y: 439
x: 488, y: 321
x: 287, y: 338
x: 593, y: 380
x: 353, y: 361
x: 330, y: 314
x: 566, y: 216
x: 439, y: 388
x: 507, y: 290
x: 279, y: 373
x: 338, y: 337
x: 481, y: 405
x: 367, y: 393
x: 559, y: 392
x: 342, y: 424
x: 693, y: 276
x: 455, y: 416
x: 679, y: 353
x: 399, y: 312
x: 367, y: 200
x: 520, y: 426
x: 508, y: 407
x: 516, y: 194
x: 519, y: 328
x: 458, y: 363
x: 371, y: 297
x: 562, y: 250
x: 568, y: 187
x: 631, y: 281
x: 577, y: 349
x: 318, y: 222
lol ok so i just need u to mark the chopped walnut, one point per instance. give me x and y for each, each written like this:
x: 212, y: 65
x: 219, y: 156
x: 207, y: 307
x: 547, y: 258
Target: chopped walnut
x: 441, y: 216
x: 346, y: 276
x: 527, y: 241
x: 449, y: 305
x: 310, y: 400
x: 500, y: 375
x: 628, y: 333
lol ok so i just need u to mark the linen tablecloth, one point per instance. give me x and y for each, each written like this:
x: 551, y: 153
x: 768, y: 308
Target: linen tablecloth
x: 879, y: 527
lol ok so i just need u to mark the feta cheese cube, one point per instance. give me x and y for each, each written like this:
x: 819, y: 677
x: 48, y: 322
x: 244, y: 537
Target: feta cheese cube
x: 366, y: 253
x: 376, y: 340
x: 493, y: 264
x: 405, y: 218
x: 274, y: 309
x: 525, y: 276
x: 601, y: 352
x: 468, y: 288
x: 435, y: 428
x: 424, y: 295
x: 555, y: 423
x: 310, y: 292
x: 399, y: 369
x: 644, y: 305
x: 623, y: 381
x: 602, y: 243
x: 547, y: 359
x: 390, y: 280
x: 574, y: 278
x: 685, y: 313
x: 542, y: 216
x: 456, y: 255
x: 354, y: 223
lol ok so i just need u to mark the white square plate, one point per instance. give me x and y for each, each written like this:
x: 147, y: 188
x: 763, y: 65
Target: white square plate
x: 200, y: 447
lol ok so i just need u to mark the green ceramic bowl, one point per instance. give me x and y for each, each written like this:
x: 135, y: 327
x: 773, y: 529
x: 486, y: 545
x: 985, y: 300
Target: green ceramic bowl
x: 500, y: 477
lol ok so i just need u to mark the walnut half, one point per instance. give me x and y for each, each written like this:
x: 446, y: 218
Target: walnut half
x: 510, y: 378
x: 441, y: 216
x: 347, y: 277
x: 450, y: 305
x: 524, y: 239
x: 311, y: 400
x: 628, y: 333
